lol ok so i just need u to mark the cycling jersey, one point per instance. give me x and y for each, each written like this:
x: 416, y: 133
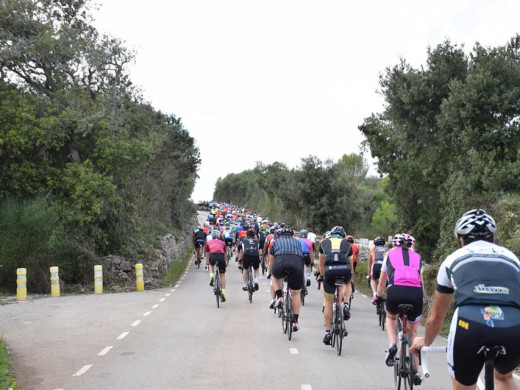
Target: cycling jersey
x: 250, y: 247
x: 403, y: 267
x: 378, y: 254
x: 355, y: 252
x: 306, y: 245
x: 311, y: 237
x: 481, y: 273
x: 336, y: 250
x: 215, y: 246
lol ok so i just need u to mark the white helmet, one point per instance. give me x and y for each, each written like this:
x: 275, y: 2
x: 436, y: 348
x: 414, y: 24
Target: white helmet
x: 475, y: 223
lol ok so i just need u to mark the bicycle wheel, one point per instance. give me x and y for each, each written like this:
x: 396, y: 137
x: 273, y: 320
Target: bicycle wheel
x: 250, y: 286
x: 397, y: 377
x: 303, y: 292
x: 283, y: 314
x: 217, y: 287
x: 289, y: 316
x: 339, y: 328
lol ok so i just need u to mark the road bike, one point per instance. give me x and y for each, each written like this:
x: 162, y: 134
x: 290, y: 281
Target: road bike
x: 217, y: 287
x: 337, y: 328
x: 404, y: 363
x: 303, y: 292
x: 229, y: 251
x: 287, y: 314
x: 490, y: 353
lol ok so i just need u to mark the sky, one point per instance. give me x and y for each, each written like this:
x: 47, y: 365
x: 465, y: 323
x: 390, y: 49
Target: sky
x: 280, y: 80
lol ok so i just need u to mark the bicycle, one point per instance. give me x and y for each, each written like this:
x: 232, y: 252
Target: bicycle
x: 229, y: 251
x: 490, y: 353
x: 338, y: 329
x: 303, y: 292
x: 287, y: 310
x: 404, y: 363
x: 217, y: 289
x: 250, y: 284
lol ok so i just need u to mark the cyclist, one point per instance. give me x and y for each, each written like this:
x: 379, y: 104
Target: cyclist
x: 227, y: 235
x: 249, y: 255
x: 485, y: 279
x: 286, y: 258
x: 308, y: 254
x: 375, y: 262
x: 199, y: 241
x: 215, y: 254
x: 355, y: 251
x: 335, y: 261
x: 401, y: 275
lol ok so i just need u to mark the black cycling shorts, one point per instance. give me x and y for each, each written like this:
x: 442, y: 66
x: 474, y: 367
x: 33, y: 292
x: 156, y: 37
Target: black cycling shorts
x: 228, y: 241
x: 376, y: 271
x: 474, y: 326
x: 332, y: 272
x: 247, y: 261
x: 199, y: 243
x: 219, y: 259
x: 398, y: 295
x: 307, y: 258
x: 290, y: 265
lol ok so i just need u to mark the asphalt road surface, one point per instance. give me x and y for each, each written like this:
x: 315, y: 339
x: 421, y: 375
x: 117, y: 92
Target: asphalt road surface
x: 177, y: 338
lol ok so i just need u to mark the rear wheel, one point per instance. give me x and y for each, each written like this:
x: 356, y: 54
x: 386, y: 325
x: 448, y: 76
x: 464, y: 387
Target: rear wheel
x: 339, y: 328
x: 289, y: 317
x: 218, y: 291
x: 250, y: 286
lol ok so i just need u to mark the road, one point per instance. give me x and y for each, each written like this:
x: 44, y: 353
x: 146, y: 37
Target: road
x: 176, y: 338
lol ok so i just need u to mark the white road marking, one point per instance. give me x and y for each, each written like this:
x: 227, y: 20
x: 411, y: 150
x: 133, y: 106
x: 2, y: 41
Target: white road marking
x: 294, y: 351
x: 363, y: 295
x: 177, y: 285
x: 147, y: 314
x: 155, y: 306
x: 172, y: 290
x: 122, y: 335
x: 105, y: 351
x: 167, y: 295
x: 162, y: 299
x: 136, y: 323
x: 306, y: 387
x: 83, y: 370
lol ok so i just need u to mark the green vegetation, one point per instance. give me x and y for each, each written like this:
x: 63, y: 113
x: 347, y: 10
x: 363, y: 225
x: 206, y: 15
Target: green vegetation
x: 6, y: 381
x: 174, y: 273
x: 88, y: 167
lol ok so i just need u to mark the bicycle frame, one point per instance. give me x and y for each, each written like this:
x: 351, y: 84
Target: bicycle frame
x: 338, y: 324
x: 404, y: 363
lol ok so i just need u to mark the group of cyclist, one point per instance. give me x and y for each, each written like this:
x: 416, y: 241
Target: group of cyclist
x: 483, y: 277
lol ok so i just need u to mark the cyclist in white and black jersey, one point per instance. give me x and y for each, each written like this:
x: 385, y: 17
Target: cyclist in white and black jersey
x: 375, y: 262
x: 485, y: 279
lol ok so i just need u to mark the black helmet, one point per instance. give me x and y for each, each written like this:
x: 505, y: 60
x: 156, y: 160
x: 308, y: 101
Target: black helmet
x: 380, y: 241
x: 338, y: 231
x: 286, y: 231
x: 475, y: 224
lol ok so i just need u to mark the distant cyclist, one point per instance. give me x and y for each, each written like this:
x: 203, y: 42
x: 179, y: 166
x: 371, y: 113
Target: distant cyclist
x: 287, y: 260
x: 308, y: 254
x: 199, y: 240
x: 401, y: 275
x: 335, y: 262
x: 249, y: 255
x: 375, y: 262
x: 485, y: 279
x: 216, y: 253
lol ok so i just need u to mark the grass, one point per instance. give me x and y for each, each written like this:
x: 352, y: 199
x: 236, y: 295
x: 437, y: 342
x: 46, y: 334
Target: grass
x: 6, y: 381
x: 174, y: 273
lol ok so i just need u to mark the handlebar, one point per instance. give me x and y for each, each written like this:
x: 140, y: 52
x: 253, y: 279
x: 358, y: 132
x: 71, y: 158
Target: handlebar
x: 422, y: 358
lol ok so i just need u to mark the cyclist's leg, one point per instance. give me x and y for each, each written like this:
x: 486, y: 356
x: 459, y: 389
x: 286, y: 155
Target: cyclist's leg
x: 505, y: 381
x: 256, y: 270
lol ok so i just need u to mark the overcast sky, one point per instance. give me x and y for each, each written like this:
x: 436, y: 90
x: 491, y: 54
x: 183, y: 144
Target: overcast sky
x: 281, y: 80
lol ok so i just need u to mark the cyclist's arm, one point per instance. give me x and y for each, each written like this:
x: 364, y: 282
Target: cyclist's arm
x: 383, y: 277
x: 351, y: 260
x: 321, y: 265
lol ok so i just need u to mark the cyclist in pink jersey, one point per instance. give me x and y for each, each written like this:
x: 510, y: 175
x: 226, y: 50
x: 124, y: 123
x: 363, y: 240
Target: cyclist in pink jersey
x: 402, y: 269
x: 215, y: 254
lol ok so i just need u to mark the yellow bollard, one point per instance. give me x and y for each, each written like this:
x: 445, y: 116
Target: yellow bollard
x: 98, y: 279
x: 139, y: 280
x: 21, y: 284
x: 55, y: 282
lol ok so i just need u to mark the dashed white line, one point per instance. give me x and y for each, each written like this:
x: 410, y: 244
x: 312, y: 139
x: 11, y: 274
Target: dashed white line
x: 122, y: 335
x: 294, y: 351
x: 105, y: 351
x: 162, y: 299
x: 167, y: 295
x: 136, y: 323
x: 306, y: 387
x: 155, y: 306
x: 83, y: 370
x: 172, y: 290
x: 177, y: 285
x: 147, y: 314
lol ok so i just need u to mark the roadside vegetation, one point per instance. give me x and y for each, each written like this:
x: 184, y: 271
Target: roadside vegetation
x: 6, y: 380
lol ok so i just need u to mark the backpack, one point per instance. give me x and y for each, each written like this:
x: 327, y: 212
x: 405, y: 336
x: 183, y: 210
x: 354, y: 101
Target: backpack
x: 250, y: 247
